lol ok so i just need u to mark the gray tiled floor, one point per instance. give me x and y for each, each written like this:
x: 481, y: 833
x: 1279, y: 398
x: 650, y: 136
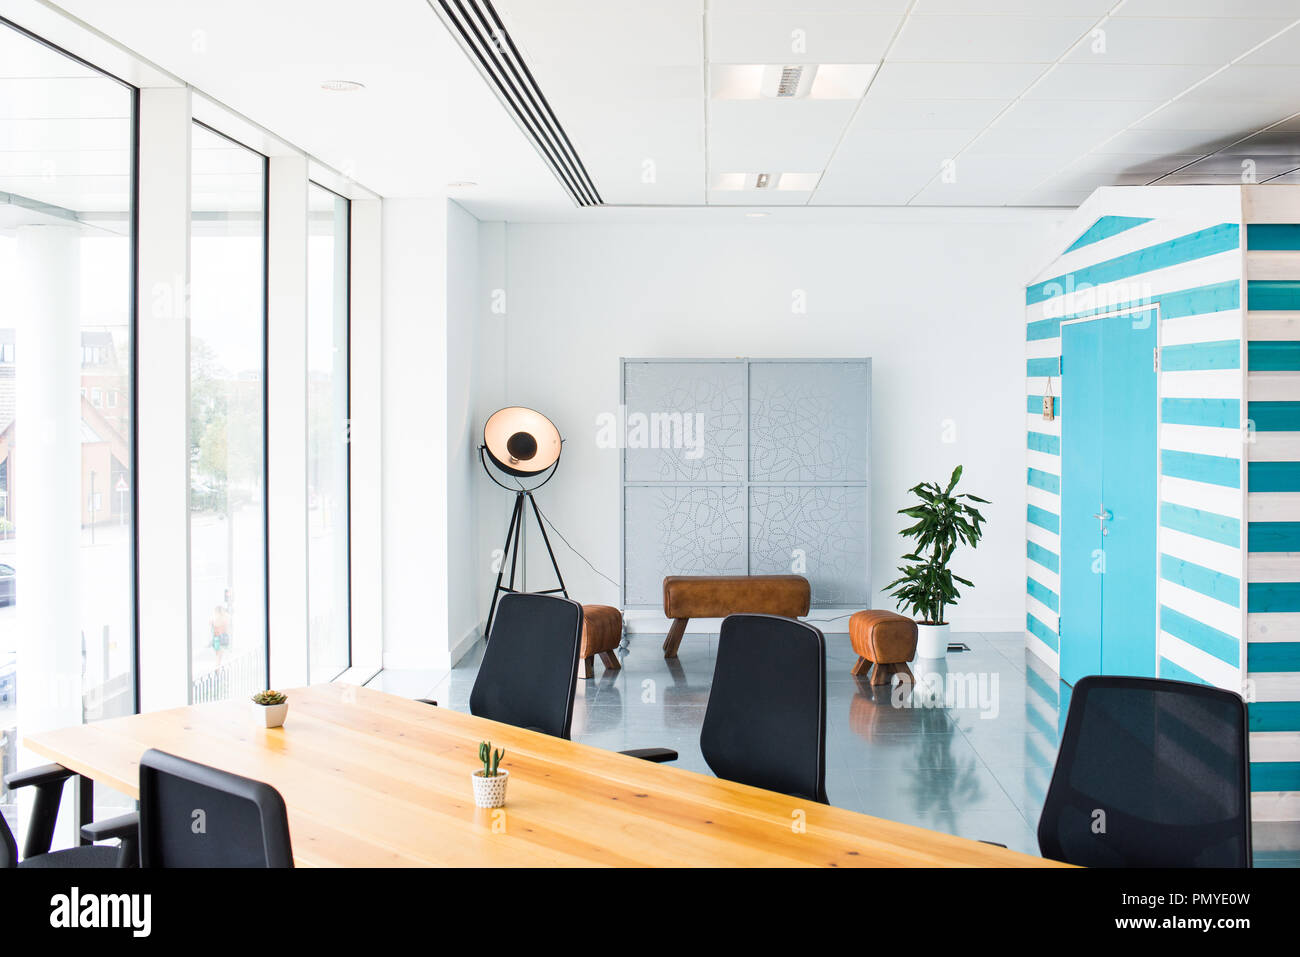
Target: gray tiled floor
x: 975, y: 762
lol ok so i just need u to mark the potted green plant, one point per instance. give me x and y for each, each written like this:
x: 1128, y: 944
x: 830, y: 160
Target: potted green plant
x: 926, y: 585
x: 271, y: 707
x: 490, y: 781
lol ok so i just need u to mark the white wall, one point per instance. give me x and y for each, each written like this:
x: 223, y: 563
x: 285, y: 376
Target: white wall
x: 415, y: 450
x: 935, y: 300
x: 464, y: 568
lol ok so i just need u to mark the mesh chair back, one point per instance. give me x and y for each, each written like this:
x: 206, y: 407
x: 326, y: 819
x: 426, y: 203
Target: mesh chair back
x: 765, y: 724
x: 1150, y: 773
x: 529, y: 673
x: 192, y: 815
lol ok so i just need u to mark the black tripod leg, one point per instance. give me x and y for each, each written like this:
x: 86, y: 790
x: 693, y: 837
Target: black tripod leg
x: 515, y: 517
x: 542, y: 525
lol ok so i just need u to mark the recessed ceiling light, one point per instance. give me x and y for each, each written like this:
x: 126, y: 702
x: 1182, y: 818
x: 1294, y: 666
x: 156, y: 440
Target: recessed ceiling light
x: 786, y: 81
x: 341, y: 86
x: 461, y: 184
x: 757, y: 215
x: 799, y: 182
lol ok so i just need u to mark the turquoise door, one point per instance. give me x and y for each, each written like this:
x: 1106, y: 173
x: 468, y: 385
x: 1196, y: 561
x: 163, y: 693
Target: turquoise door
x: 1081, y: 479
x: 1108, y: 496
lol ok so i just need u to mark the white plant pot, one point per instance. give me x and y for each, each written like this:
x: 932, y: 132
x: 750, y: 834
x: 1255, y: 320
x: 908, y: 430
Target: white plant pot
x: 932, y: 640
x: 272, y: 714
x: 490, y: 792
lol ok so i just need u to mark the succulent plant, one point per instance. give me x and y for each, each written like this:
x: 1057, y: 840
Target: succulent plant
x: 270, y: 697
x: 491, y: 759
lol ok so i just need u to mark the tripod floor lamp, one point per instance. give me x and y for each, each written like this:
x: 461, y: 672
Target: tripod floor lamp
x: 525, y: 446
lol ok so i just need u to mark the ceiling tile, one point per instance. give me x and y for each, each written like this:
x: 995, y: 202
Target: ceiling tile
x: 988, y: 39
x: 962, y: 81
x: 1038, y: 8
x: 1137, y: 165
x: 1053, y: 196
x: 1242, y: 82
x: 1192, y: 113
x: 1283, y: 50
x: 1192, y: 178
x: 1272, y: 143
x: 1116, y: 81
x: 1238, y: 164
x: 1152, y: 40
x: 1107, y: 115
x: 1161, y: 142
x: 799, y: 37
x: 1235, y: 9
x: 758, y: 197
x: 927, y: 114
x: 1004, y: 170
x: 884, y: 179
x: 775, y: 135
x: 864, y: 141
x: 807, y: 6
x: 1022, y: 142
x: 598, y: 32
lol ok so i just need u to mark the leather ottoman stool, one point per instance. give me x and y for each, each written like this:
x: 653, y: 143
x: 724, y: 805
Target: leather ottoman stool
x: 602, y: 632
x: 884, y: 639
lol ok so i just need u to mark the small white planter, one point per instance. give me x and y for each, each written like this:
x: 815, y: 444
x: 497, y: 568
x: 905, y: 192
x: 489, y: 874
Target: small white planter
x: 932, y: 640
x: 490, y: 792
x: 272, y: 714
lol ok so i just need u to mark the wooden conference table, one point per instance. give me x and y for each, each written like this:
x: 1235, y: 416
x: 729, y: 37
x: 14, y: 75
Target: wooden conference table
x: 372, y: 779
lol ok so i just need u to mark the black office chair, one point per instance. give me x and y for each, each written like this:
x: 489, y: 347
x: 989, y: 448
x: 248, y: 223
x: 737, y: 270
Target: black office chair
x: 48, y: 782
x: 529, y: 673
x: 1150, y: 773
x: 765, y: 724
x: 192, y: 815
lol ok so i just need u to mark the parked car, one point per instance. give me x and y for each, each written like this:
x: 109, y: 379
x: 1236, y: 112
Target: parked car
x: 8, y: 593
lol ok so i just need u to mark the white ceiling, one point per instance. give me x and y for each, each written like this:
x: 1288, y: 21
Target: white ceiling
x: 1019, y: 94
x: 424, y: 119
x: 1033, y: 102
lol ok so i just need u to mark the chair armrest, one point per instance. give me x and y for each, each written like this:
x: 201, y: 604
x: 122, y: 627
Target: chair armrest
x: 124, y: 826
x: 48, y: 781
x: 35, y: 777
x: 656, y: 755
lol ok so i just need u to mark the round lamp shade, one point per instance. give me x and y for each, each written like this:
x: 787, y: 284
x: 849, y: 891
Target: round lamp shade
x: 521, y: 441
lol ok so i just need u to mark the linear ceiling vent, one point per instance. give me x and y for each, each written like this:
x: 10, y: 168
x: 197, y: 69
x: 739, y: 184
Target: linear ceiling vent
x: 788, y: 82
x: 477, y: 26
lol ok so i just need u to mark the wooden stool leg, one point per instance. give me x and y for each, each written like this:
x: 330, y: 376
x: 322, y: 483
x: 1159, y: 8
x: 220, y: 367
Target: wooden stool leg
x: 611, y: 660
x: 588, y: 669
x: 902, y: 669
x: 881, y: 675
x: 674, y: 638
x: 862, y: 665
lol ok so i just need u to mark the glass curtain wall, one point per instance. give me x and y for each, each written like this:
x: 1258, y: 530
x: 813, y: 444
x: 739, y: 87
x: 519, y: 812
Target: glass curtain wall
x: 327, y: 434
x: 67, y: 443
x: 228, y: 651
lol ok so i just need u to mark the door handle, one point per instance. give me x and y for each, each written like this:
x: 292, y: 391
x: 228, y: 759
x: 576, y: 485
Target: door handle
x: 1103, y: 517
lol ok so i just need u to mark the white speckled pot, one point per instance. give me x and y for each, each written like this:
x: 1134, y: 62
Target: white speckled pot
x: 490, y: 792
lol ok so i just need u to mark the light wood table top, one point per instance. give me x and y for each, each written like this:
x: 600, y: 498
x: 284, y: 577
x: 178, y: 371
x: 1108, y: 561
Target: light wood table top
x: 373, y: 779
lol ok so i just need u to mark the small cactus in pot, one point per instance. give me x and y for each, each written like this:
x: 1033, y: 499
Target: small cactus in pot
x: 490, y: 780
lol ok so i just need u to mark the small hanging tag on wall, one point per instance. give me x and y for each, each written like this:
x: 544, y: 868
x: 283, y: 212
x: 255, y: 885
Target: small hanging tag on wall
x: 1049, y: 402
